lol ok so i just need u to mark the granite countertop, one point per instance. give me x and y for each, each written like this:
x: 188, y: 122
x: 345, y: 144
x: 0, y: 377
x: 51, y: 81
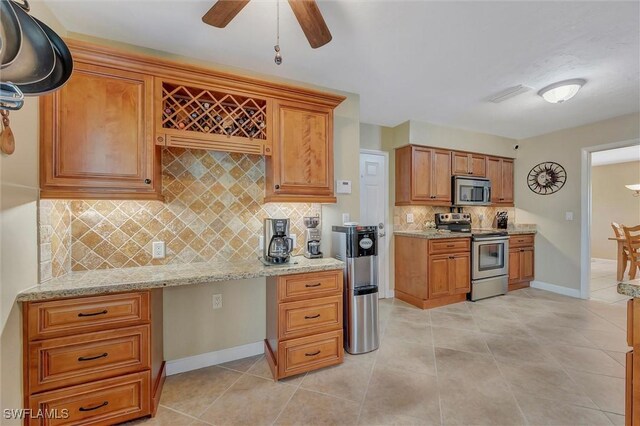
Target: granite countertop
x: 147, y: 277
x: 436, y: 234
x: 630, y: 288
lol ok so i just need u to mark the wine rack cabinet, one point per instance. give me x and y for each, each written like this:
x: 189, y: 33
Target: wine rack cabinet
x: 191, y: 115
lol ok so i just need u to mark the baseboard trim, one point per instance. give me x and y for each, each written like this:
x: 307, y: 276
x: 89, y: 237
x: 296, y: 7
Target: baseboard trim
x: 208, y: 359
x: 565, y: 291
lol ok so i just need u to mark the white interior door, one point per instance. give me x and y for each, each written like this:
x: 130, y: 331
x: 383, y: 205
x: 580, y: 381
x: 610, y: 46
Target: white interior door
x: 374, y: 207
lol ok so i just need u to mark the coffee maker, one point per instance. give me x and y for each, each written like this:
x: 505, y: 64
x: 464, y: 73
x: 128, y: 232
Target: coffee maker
x: 277, y: 243
x: 312, y: 238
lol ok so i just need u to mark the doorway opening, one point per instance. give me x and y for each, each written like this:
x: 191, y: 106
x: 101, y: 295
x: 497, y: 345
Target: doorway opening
x: 610, y: 205
x: 374, y: 208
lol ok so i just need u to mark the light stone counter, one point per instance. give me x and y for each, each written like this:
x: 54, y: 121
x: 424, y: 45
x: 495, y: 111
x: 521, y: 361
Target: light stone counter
x: 630, y: 288
x: 147, y: 277
x: 435, y: 234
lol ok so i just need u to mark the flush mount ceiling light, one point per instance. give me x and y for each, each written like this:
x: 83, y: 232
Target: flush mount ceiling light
x: 561, y: 91
x: 635, y: 188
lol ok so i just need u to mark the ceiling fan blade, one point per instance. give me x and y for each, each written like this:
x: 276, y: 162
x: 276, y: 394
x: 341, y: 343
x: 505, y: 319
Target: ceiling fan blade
x: 311, y: 21
x: 223, y: 11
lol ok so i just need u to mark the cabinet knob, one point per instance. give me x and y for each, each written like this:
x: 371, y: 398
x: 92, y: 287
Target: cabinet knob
x: 147, y: 181
x: 160, y: 139
x: 277, y: 186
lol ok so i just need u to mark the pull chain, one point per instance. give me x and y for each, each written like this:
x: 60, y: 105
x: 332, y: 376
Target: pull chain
x: 278, y: 58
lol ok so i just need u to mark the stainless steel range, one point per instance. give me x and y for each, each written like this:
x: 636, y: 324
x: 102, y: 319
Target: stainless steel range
x: 489, y: 255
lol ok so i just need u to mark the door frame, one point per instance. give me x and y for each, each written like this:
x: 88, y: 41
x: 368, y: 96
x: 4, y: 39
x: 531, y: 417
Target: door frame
x: 585, y: 207
x: 385, y: 292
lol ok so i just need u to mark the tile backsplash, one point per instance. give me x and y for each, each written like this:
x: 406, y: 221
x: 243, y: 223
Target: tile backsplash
x: 212, y: 210
x: 422, y: 214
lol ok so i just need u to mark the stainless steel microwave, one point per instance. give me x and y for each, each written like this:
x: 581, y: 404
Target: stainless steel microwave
x: 470, y: 191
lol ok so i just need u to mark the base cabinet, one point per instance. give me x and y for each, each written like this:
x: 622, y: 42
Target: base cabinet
x: 93, y: 360
x: 431, y: 273
x: 632, y: 377
x: 304, y: 322
x: 521, y: 261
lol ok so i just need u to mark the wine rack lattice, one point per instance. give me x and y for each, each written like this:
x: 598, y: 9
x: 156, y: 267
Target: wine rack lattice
x: 210, y: 112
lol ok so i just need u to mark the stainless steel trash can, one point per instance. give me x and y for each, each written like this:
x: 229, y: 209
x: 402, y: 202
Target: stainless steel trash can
x: 357, y: 246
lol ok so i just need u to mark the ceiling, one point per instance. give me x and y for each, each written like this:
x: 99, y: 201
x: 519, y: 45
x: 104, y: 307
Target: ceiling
x: 435, y: 62
x: 615, y: 156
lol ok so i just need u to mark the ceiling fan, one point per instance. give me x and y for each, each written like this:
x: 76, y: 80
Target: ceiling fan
x: 306, y: 11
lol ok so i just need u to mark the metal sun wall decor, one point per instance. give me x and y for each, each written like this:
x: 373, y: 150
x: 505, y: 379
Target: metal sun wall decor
x: 546, y: 178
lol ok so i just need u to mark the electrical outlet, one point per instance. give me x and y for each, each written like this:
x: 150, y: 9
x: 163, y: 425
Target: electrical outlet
x: 480, y: 217
x: 158, y: 251
x: 295, y: 240
x: 217, y: 301
x: 346, y: 217
x: 409, y: 217
x: 260, y: 242
x: 568, y: 215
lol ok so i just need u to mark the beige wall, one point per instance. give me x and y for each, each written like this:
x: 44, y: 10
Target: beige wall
x: 18, y: 233
x: 558, y: 243
x: 612, y: 202
x: 370, y: 136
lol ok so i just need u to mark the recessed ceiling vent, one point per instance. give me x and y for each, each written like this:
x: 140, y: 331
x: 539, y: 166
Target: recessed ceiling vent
x: 509, y: 93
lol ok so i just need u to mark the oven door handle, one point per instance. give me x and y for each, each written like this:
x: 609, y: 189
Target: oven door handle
x: 482, y: 240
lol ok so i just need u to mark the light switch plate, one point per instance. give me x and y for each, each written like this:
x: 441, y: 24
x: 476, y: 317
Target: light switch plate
x: 568, y: 215
x: 346, y: 217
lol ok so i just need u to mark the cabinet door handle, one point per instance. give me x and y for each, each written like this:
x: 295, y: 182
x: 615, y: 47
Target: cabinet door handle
x: 94, y: 408
x: 91, y: 358
x: 450, y: 245
x: 313, y: 285
x: 313, y: 353
x: 92, y: 314
x: 312, y: 316
x: 521, y: 249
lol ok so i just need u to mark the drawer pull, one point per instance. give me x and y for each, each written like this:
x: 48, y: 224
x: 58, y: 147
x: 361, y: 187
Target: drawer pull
x: 93, y: 314
x: 451, y: 245
x: 91, y: 358
x: 313, y: 285
x: 94, y: 408
x: 313, y: 353
x: 312, y: 316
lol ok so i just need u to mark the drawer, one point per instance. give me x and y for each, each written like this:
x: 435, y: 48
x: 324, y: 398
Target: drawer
x: 105, y: 402
x: 521, y: 240
x: 449, y: 245
x: 66, y: 361
x: 628, y: 391
x: 81, y: 315
x: 630, y: 314
x: 303, y: 354
x: 304, y: 286
x: 309, y: 317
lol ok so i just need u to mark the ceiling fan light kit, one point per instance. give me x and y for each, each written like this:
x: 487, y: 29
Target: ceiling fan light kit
x: 561, y: 91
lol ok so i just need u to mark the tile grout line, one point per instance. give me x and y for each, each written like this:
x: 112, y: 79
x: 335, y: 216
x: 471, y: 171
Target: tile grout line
x: 289, y: 400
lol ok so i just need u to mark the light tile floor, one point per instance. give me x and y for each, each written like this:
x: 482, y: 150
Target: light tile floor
x: 530, y: 357
x: 603, y: 280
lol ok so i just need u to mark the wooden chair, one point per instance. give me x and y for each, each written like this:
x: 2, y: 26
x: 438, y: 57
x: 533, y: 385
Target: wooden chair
x: 619, y: 233
x: 632, y: 236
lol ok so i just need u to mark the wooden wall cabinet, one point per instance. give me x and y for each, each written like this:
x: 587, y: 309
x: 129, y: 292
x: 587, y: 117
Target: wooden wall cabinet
x: 301, y: 166
x: 521, y: 261
x: 500, y: 172
x: 431, y: 273
x: 96, y: 136
x: 99, y: 357
x: 465, y: 163
x: 423, y: 176
x: 304, y: 322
